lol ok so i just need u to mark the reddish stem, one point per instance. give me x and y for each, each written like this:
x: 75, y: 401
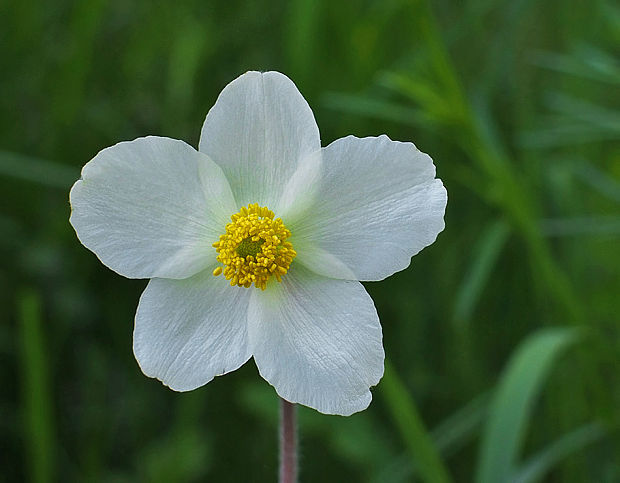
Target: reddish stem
x: 288, y: 442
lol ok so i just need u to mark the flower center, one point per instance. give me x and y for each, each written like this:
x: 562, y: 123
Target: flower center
x: 254, y: 248
x: 249, y: 247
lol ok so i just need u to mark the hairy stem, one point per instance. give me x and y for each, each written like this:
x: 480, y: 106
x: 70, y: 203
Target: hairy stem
x: 288, y: 442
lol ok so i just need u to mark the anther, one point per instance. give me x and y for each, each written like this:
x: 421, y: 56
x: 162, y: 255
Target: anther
x: 254, y: 248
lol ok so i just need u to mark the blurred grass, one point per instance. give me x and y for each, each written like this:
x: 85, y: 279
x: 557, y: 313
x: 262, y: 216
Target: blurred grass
x: 36, y: 170
x: 408, y: 421
x: 37, y: 400
x: 515, y: 395
x: 517, y: 102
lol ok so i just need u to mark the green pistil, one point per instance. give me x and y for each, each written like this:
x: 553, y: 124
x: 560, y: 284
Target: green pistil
x: 249, y: 247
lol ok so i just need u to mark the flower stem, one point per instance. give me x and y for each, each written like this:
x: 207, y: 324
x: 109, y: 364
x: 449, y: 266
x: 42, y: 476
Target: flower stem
x: 288, y: 442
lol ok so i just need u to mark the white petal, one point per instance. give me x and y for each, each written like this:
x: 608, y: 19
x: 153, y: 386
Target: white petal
x: 188, y: 331
x: 257, y: 132
x: 152, y: 207
x: 376, y: 204
x: 317, y: 340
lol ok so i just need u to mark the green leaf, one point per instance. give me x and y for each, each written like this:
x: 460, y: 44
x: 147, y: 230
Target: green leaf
x: 513, y: 400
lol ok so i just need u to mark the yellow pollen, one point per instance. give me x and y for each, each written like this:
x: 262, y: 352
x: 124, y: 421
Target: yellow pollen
x: 254, y: 248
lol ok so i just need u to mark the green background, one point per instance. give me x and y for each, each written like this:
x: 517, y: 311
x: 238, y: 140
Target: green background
x: 502, y: 338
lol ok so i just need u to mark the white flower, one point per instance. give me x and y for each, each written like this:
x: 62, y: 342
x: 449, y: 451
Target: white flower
x: 358, y: 209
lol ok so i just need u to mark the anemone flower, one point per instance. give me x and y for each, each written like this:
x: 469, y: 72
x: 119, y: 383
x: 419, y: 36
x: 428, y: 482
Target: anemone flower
x: 256, y: 243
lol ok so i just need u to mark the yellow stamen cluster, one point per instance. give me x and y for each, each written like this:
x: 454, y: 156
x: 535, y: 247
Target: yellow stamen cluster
x: 254, y: 248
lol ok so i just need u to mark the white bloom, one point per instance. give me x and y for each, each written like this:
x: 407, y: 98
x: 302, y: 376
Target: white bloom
x: 358, y: 209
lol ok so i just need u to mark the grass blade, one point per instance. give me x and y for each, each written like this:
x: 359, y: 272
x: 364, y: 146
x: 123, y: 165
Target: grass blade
x: 449, y: 437
x: 487, y: 251
x: 36, y: 392
x: 459, y: 428
x: 599, y: 180
x: 538, y: 465
x: 411, y: 427
x: 581, y: 226
x: 374, y: 108
x: 512, y: 403
x: 36, y: 170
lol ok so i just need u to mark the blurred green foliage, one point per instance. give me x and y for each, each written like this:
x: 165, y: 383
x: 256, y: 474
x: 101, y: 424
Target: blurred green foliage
x: 503, y: 337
